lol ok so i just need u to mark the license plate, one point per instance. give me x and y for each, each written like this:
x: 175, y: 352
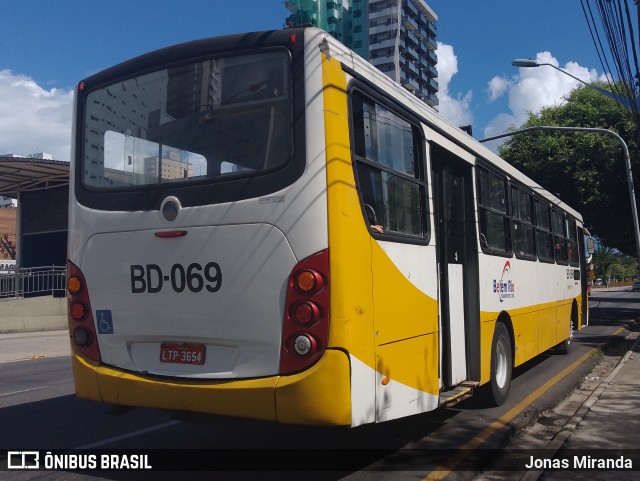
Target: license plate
x: 182, y: 353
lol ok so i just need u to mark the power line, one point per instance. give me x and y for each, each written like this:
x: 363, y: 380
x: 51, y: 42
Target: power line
x: 616, y: 26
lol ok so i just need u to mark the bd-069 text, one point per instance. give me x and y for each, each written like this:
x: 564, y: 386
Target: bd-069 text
x: 150, y: 278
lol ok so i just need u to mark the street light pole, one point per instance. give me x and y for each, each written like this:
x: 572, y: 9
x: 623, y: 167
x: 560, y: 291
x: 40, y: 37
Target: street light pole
x: 627, y: 160
x: 528, y: 63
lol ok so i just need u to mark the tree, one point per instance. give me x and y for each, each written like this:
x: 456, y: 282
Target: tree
x: 624, y: 267
x: 603, y: 259
x: 585, y: 170
x: 611, y: 264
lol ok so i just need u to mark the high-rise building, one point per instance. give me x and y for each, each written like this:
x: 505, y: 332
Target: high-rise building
x: 397, y: 36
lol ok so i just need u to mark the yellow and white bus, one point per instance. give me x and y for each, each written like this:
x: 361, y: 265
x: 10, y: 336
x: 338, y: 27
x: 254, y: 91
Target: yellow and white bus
x: 264, y: 225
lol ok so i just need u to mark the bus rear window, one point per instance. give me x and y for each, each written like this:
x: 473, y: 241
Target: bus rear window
x: 196, y: 122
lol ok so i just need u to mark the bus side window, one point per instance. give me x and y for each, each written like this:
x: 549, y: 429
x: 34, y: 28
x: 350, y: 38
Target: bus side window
x: 572, y: 243
x: 492, y: 210
x: 370, y: 184
x: 559, y: 229
x: 373, y: 219
x: 544, y: 238
x: 388, y: 169
x: 523, y: 230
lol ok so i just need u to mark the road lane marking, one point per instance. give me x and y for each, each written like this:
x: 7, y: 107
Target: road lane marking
x: 5, y: 394
x: 444, y: 469
x: 37, y: 388
x: 128, y: 435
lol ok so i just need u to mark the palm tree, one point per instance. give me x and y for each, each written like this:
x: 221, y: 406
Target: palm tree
x: 603, y: 258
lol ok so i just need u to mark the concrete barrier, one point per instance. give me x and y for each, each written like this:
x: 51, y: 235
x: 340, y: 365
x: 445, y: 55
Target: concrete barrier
x: 44, y: 313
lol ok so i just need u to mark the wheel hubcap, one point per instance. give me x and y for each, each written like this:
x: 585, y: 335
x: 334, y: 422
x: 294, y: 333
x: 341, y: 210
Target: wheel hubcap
x: 570, y: 332
x: 501, y: 363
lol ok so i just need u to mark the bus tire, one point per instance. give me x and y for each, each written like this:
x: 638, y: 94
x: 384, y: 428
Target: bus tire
x: 501, y: 365
x: 565, y: 346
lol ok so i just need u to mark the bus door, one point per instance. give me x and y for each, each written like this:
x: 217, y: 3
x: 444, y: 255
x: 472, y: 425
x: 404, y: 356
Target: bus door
x: 458, y: 269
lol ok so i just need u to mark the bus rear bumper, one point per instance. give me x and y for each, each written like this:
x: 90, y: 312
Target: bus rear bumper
x: 318, y: 396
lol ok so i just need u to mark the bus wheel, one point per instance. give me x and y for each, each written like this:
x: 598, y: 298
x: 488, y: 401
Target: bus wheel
x: 565, y: 345
x: 501, y: 365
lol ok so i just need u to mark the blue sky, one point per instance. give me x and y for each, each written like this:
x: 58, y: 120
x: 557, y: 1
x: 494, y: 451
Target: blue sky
x: 487, y: 35
x: 48, y: 46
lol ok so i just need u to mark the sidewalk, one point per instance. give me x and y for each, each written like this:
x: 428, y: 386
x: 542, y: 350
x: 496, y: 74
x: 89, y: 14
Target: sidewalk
x: 20, y: 346
x: 605, y: 427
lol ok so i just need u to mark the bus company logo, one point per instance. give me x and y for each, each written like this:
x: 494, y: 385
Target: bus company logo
x: 505, y: 287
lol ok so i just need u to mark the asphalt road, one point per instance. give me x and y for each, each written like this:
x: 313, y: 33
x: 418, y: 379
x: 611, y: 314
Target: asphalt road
x: 38, y: 410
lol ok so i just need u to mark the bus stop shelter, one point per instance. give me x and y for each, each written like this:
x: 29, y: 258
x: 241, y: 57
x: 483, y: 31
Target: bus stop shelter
x: 41, y: 188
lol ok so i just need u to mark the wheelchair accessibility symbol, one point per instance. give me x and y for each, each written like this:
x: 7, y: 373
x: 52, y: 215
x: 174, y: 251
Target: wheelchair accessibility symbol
x: 105, y: 322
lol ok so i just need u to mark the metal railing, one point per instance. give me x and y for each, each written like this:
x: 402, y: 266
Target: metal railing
x: 32, y: 282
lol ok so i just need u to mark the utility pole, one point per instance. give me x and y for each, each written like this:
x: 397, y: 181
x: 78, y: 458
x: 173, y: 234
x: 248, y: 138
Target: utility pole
x: 638, y: 12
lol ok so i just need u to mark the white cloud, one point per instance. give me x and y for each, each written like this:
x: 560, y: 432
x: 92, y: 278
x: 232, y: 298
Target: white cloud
x: 497, y: 87
x: 455, y: 109
x: 447, y: 65
x: 534, y: 88
x: 33, y: 119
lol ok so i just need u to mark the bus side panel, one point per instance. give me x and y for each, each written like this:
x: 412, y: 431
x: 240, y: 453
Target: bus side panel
x: 406, y: 329
x: 487, y: 326
x: 539, y: 313
x: 539, y: 324
x: 548, y: 320
x: 405, y: 288
x: 496, y: 275
x: 351, y: 322
x: 525, y: 313
x: 582, y: 319
x: 563, y: 318
x: 407, y: 381
x: 554, y: 323
x: 404, y: 310
x: 525, y: 331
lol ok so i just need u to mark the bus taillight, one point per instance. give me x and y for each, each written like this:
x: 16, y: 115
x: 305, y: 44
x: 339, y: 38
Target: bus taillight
x: 308, y: 281
x: 306, y: 312
x: 304, y: 344
x: 77, y: 311
x: 306, y: 321
x: 81, y: 325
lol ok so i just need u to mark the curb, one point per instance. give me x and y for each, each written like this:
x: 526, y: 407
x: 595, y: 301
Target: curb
x: 570, y: 426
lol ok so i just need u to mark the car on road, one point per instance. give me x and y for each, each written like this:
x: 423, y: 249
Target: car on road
x: 636, y: 286
x: 598, y: 282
